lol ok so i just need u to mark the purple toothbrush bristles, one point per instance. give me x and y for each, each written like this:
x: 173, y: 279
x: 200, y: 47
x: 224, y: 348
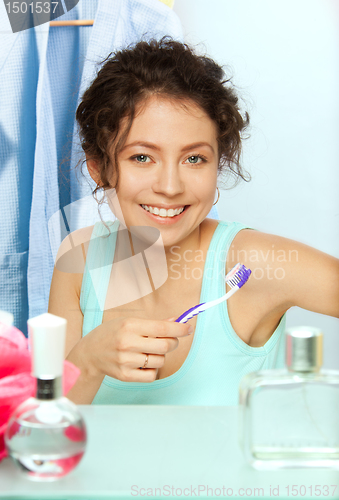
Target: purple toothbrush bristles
x: 240, y: 277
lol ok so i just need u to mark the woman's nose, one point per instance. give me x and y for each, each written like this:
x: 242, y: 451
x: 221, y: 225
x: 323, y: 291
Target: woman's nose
x: 168, y: 180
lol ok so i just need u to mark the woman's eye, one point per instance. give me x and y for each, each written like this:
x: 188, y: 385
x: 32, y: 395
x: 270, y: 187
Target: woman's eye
x: 140, y: 158
x: 195, y: 159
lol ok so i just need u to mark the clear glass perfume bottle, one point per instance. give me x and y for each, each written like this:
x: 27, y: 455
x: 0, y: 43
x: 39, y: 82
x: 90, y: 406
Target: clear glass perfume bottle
x: 46, y: 435
x: 289, y: 417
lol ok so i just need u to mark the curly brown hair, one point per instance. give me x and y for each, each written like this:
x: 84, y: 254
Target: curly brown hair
x: 166, y: 67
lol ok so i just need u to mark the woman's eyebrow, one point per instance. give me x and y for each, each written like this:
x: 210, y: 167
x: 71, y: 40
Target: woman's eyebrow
x: 150, y: 145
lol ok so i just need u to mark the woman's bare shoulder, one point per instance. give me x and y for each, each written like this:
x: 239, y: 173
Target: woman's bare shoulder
x: 72, y: 252
x: 67, y: 275
x: 257, y: 246
x: 76, y: 238
x: 288, y: 271
x: 267, y: 244
x: 269, y: 256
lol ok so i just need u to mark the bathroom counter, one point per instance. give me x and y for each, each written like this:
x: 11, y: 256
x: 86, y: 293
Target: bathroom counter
x: 167, y: 451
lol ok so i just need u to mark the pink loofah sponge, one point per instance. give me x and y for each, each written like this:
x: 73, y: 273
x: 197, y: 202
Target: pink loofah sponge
x: 16, y: 381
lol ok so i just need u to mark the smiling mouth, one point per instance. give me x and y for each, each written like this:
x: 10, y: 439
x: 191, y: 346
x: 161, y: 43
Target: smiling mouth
x: 162, y: 212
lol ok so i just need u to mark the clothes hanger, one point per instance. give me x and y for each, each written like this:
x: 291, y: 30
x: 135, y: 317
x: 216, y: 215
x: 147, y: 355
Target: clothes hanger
x: 90, y: 22
x: 74, y: 22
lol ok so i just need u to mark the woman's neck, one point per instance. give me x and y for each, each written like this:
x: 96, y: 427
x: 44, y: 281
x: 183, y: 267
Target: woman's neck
x: 155, y: 275
x: 164, y: 264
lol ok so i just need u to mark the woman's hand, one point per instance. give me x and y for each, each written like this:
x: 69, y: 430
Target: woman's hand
x: 118, y: 348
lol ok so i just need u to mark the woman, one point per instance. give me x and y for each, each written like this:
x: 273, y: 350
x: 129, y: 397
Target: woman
x: 161, y: 127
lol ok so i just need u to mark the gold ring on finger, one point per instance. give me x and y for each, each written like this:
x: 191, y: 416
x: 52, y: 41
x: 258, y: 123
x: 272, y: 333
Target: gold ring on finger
x: 146, y: 362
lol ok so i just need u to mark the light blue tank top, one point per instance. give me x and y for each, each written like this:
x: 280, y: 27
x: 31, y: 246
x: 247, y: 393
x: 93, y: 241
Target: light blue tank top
x: 218, y: 358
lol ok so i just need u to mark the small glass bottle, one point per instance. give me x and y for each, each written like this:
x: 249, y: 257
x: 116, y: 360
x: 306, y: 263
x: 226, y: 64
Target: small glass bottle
x: 46, y: 435
x: 289, y: 417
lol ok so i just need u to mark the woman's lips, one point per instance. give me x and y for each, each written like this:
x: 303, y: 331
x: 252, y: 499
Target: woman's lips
x: 165, y: 220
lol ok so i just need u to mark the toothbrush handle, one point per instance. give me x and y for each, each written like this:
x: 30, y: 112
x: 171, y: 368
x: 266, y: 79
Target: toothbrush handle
x: 190, y: 313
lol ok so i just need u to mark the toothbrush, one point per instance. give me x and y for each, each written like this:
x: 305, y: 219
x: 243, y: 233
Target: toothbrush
x: 236, y: 278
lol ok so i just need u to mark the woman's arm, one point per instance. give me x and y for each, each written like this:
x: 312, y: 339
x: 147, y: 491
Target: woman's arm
x: 64, y: 301
x: 289, y: 273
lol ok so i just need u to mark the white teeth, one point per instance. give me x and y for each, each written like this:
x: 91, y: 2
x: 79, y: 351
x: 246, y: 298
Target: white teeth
x: 178, y: 211
x: 162, y: 212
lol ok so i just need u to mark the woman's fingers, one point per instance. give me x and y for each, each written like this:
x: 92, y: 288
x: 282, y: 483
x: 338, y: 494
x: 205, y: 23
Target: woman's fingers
x: 137, y: 344
x: 156, y: 328
x: 147, y: 375
x: 131, y: 368
x: 120, y: 347
x: 153, y: 361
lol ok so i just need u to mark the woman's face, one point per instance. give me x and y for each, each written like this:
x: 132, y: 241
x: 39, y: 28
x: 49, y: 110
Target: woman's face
x: 169, y: 162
